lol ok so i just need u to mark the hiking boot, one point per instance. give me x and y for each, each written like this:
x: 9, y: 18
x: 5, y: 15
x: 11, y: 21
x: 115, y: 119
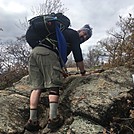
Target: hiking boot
x: 53, y: 125
x: 32, y: 126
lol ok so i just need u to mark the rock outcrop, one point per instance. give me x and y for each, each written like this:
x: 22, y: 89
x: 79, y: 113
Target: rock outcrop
x: 93, y: 104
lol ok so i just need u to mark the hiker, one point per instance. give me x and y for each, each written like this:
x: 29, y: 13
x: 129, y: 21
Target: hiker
x: 74, y: 39
x: 45, y: 72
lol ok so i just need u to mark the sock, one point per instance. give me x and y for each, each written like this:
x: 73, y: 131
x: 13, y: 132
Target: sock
x: 53, y: 110
x: 33, y: 114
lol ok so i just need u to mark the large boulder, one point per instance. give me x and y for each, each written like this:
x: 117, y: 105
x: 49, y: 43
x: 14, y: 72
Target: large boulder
x: 92, y: 104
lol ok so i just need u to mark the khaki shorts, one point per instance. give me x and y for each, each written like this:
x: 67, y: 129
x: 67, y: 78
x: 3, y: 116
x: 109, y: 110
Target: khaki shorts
x: 44, y: 69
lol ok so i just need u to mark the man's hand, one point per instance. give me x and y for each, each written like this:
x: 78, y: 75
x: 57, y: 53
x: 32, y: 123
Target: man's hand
x: 65, y: 75
x: 65, y: 72
x: 83, y: 73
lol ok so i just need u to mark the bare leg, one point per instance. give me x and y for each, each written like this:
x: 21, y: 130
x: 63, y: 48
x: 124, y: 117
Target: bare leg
x: 34, y: 100
x: 32, y: 124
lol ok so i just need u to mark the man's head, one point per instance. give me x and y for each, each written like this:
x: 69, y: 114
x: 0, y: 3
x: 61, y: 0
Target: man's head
x: 85, y: 33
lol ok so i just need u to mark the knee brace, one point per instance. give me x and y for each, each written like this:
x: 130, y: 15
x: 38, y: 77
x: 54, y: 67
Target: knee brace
x: 54, y: 91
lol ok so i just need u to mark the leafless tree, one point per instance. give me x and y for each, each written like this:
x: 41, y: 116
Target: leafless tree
x: 120, y: 44
x: 70, y: 61
x: 49, y: 6
x: 93, y: 56
x: 14, y: 54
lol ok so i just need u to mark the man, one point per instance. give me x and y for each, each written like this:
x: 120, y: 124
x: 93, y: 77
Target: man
x: 74, y: 39
x: 45, y: 72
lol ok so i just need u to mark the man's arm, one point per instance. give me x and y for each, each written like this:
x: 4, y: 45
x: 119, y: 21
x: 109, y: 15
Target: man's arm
x: 80, y: 65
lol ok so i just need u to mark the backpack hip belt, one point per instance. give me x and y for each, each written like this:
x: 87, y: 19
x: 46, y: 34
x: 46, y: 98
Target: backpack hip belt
x: 49, y: 46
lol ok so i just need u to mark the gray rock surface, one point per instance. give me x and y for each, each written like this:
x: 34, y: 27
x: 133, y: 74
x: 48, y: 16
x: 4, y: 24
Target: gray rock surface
x: 87, y: 103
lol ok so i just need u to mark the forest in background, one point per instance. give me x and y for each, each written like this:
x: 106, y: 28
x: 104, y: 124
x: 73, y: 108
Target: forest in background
x: 115, y: 50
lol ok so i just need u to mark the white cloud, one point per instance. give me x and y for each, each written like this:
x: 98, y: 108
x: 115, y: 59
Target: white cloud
x: 12, y: 7
x: 124, y: 11
x: 100, y: 14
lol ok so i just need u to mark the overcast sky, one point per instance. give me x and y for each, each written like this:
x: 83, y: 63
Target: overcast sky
x: 100, y: 14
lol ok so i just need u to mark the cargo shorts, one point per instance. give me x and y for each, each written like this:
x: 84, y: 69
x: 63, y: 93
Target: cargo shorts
x: 44, y: 69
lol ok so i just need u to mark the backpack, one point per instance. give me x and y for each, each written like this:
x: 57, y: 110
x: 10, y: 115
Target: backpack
x: 44, y: 25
